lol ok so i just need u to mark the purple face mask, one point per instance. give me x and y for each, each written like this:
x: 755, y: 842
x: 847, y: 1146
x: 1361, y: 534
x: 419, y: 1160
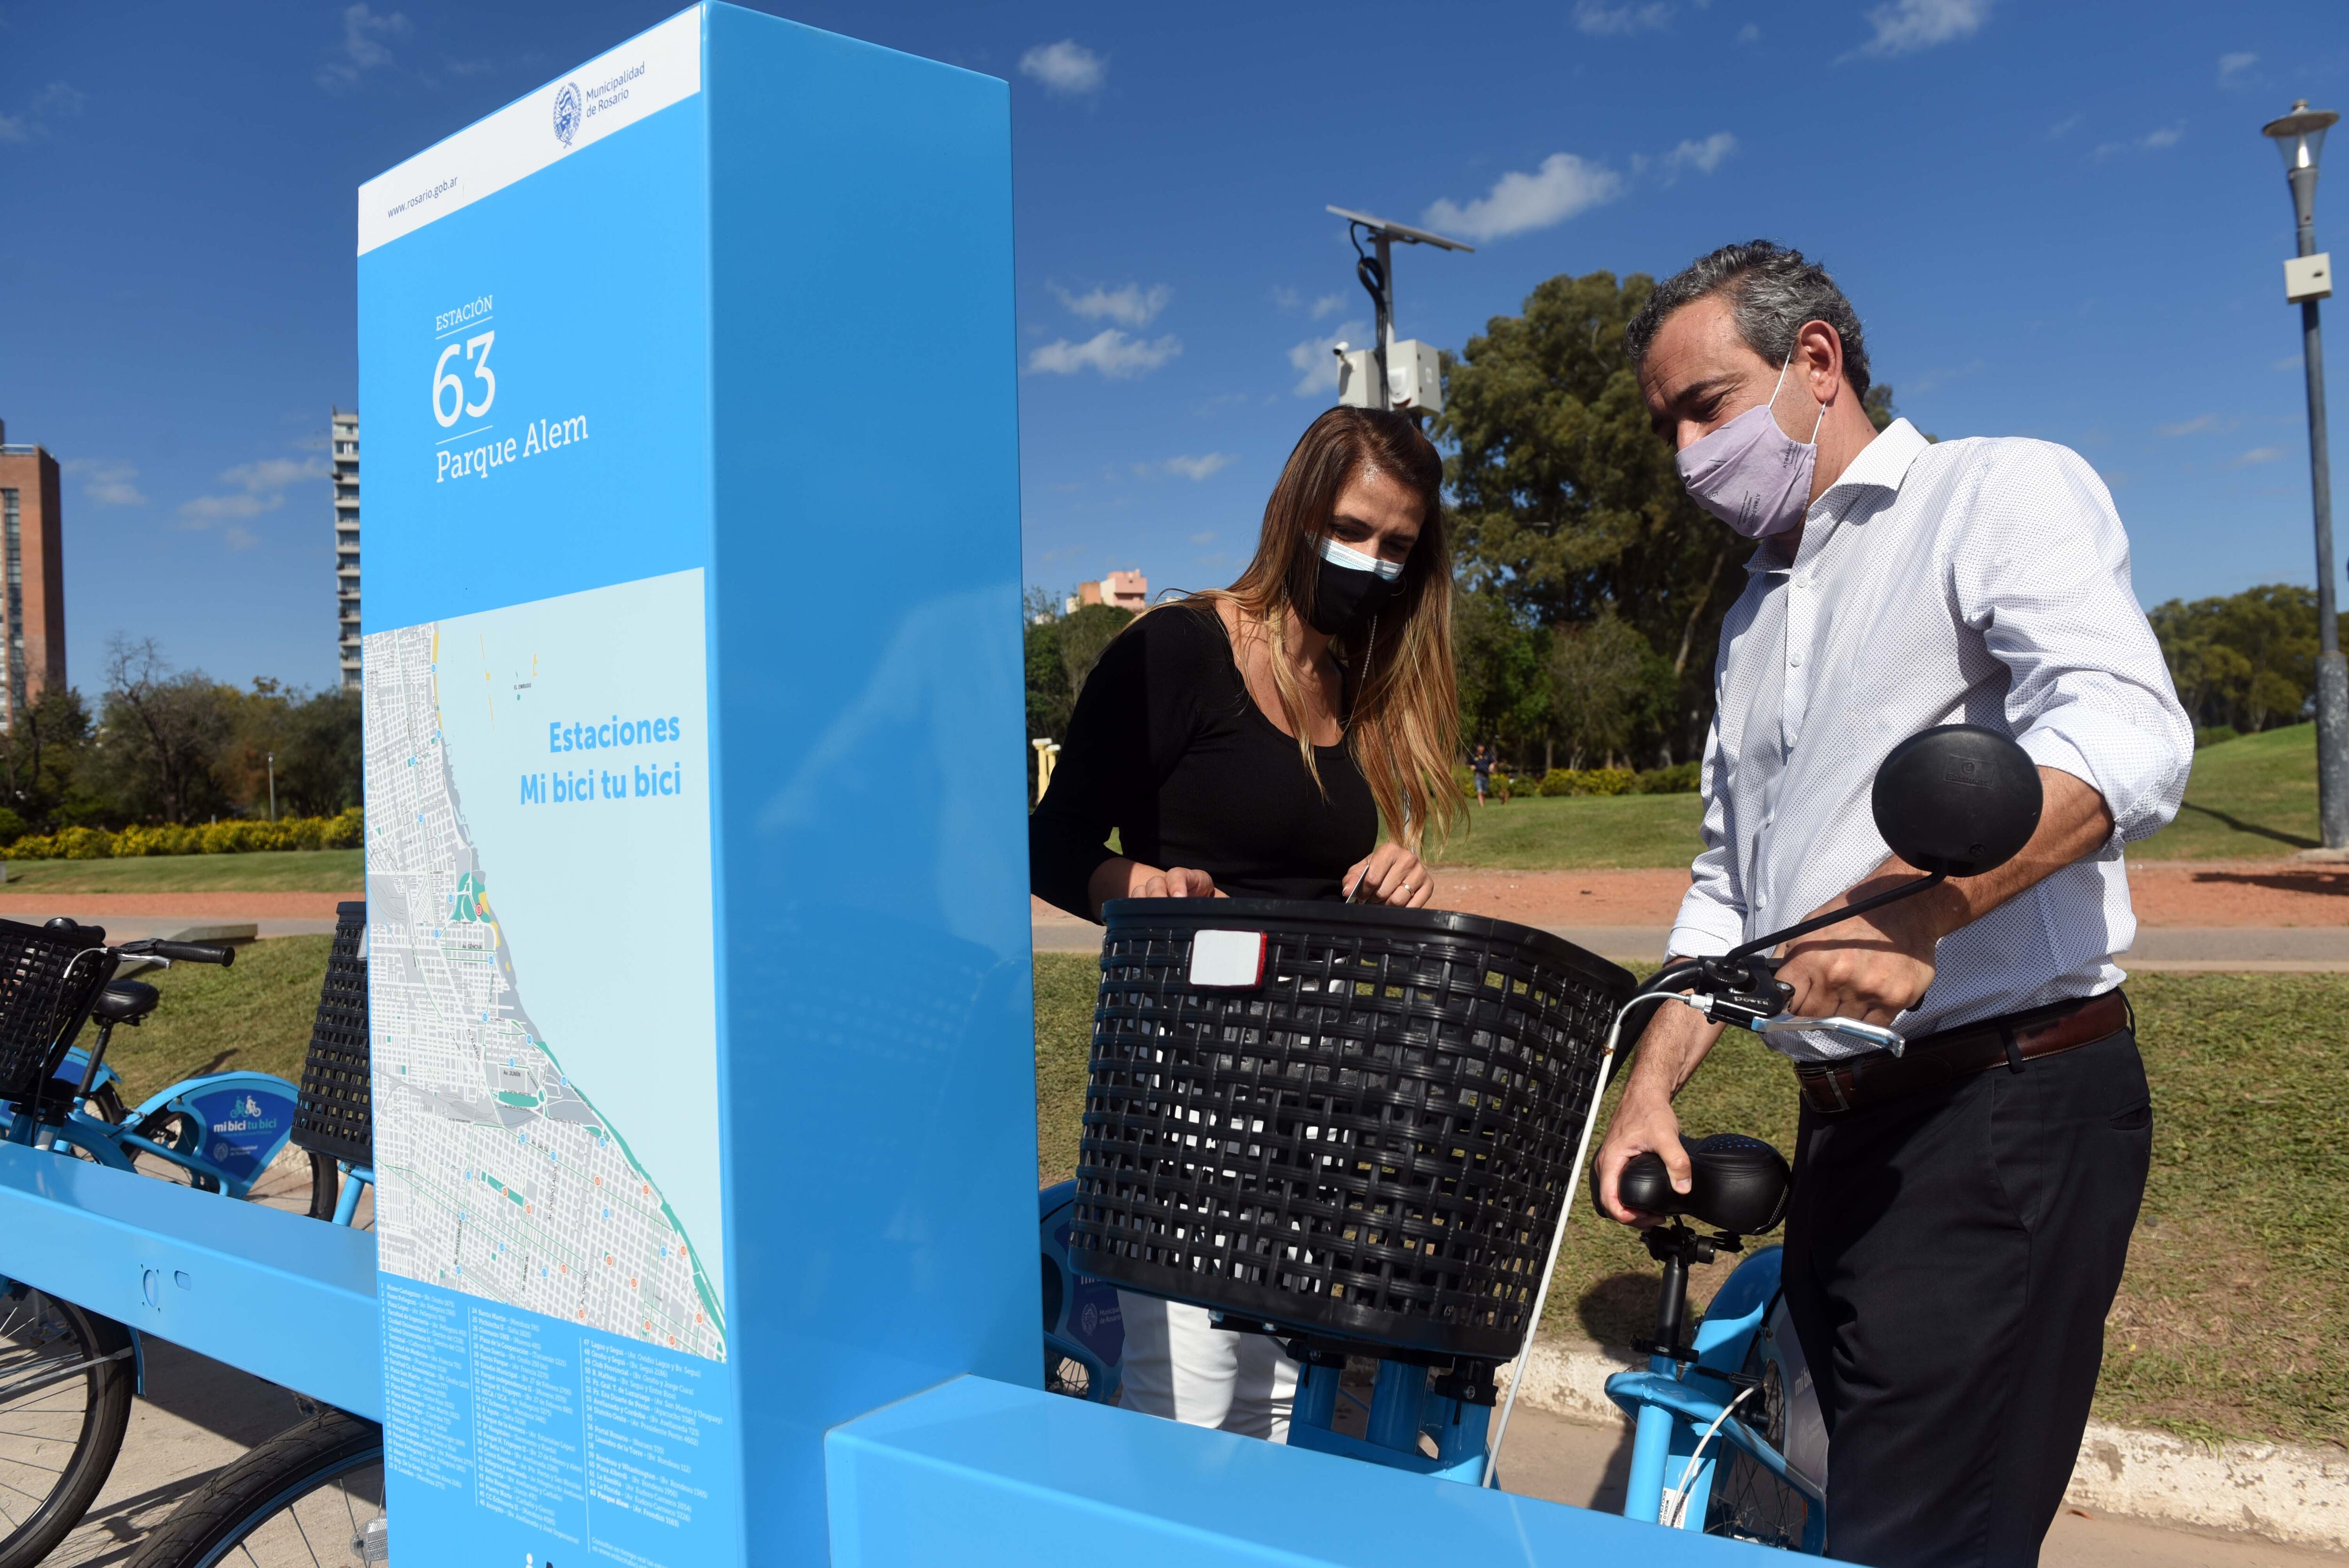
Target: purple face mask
x: 1750, y: 474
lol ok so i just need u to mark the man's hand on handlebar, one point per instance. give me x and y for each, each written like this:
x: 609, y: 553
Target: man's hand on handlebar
x: 1675, y: 1041
x: 1644, y: 1125
x: 1873, y: 967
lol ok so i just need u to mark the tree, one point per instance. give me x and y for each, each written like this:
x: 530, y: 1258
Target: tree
x: 321, y: 756
x: 162, y: 735
x: 1566, y: 503
x: 1503, y: 687
x: 1605, y: 686
x: 41, y: 762
x: 2249, y: 661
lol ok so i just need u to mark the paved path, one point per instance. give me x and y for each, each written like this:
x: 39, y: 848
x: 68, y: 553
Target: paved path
x: 198, y: 1414
x: 1566, y: 1462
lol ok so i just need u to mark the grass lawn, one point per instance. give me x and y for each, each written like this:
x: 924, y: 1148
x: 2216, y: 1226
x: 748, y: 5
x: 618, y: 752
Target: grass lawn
x: 2234, y: 1318
x: 255, y: 1015
x: 2252, y: 798
x: 263, y: 871
x: 2249, y: 798
x: 1580, y: 832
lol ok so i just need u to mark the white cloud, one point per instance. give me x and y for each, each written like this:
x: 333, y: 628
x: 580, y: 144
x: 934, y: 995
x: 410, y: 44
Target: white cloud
x: 30, y: 122
x: 1704, y: 157
x: 363, y: 47
x: 1110, y: 351
x: 2155, y: 140
x: 1616, y: 21
x: 1563, y: 186
x: 1749, y: 33
x: 240, y: 539
x: 2260, y: 455
x: 2195, y: 426
x: 1206, y: 537
x: 261, y: 487
x: 105, y: 482
x: 1199, y: 468
x: 1316, y: 360
x: 2233, y: 67
x: 1328, y: 304
x: 1905, y: 26
x: 2290, y: 364
x: 1067, y: 66
x: 1131, y: 305
x: 2065, y: 127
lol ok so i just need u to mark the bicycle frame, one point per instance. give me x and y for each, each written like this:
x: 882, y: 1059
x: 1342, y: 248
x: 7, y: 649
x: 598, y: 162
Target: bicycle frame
x: 1676, y: 1404
x: 234, y: 1124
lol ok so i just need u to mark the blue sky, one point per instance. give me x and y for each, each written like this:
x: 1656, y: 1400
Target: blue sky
x: 2056, y: 219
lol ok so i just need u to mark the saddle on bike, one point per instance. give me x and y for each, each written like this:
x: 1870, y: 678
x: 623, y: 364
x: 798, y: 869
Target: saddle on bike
x: 125, y: 1002
x: 1738, y: 1184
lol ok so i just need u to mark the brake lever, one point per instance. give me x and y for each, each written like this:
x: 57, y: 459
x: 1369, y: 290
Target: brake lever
x: 1882, y: 1038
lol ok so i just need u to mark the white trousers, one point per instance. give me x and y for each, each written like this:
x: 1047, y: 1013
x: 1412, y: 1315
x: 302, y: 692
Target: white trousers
x: 1177, y: 1366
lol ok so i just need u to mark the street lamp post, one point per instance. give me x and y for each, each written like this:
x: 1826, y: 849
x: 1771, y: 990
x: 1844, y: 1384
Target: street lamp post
x: 2299, y: 137
x: 273, y: 786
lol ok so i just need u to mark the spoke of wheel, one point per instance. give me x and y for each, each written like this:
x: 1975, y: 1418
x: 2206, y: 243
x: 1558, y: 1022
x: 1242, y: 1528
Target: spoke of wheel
x: 27, y: 1464
x: 295, y: 1509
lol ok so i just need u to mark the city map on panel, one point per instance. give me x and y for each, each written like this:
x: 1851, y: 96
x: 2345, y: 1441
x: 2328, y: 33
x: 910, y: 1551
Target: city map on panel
x: 498, y: 1176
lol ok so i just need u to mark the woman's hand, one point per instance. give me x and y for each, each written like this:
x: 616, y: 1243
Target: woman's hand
x: 1123, y: 878
x: 1392, y: 875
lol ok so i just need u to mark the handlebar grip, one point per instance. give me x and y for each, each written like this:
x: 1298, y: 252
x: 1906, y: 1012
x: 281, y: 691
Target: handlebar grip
x: 193, y: 953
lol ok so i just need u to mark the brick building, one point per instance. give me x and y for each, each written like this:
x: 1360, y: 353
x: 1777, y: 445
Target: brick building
x: 33, y: 590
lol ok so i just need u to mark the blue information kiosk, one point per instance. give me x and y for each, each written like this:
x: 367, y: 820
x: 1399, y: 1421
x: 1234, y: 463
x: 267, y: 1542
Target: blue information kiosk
x: 699, y: 957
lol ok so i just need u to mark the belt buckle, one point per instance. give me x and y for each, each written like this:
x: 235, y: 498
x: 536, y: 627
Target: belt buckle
x: 1829, y: 1076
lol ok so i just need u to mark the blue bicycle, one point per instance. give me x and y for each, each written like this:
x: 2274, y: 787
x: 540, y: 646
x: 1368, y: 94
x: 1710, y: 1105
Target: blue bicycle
x: 218, y: 1132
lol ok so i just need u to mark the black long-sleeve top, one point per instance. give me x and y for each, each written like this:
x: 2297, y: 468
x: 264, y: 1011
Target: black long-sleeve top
x: 1167, y: 748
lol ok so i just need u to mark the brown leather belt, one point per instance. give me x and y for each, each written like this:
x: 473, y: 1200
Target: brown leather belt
x: 1832, y: 1089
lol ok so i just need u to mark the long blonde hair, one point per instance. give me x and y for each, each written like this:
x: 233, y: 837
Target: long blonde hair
x: 1405, y: 727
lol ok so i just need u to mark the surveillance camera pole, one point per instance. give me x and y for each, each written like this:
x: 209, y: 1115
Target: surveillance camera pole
x: 2301, y: 137
x: 1377, y: 275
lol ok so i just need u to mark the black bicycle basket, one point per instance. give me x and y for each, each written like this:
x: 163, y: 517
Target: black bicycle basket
x: 336, y: 1116
x: 1369, y: 1142
x: 45, y: 991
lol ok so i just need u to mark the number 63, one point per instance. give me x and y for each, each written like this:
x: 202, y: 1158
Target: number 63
x: 443, y: 378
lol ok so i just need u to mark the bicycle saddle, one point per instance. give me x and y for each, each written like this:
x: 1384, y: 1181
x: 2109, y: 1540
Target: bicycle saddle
x: 1738, y: 1184
x: 124, y: 1002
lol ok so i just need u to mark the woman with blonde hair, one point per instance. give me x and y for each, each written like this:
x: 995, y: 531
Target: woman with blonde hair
x: 1248, y: 741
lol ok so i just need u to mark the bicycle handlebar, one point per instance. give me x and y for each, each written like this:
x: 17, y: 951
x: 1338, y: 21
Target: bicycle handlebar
x: 181, y: 951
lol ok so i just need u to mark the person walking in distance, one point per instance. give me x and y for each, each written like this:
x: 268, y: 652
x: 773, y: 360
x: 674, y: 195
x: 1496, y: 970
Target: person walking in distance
x: 1961, y: 1214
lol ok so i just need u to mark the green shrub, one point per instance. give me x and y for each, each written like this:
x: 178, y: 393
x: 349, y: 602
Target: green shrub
x: 1680, y: 779
x: 84, y: 844
x: 1586, y: 781
x: 235, y: 836
x: 12, y: 826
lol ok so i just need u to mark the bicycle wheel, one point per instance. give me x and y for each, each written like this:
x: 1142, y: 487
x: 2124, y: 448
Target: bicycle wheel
x: 310, y: 1497
x: 1748, y: 1502
x: 65, y: 1379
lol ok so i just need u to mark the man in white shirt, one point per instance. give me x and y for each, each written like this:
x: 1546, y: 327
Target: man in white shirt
x: 1960, y: 1215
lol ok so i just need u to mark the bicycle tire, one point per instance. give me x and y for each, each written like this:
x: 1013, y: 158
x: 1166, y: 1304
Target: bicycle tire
x: 326, y: 1181
x: 106, y: 1385
x: 1748, y: 1502
x: 241, y: 1503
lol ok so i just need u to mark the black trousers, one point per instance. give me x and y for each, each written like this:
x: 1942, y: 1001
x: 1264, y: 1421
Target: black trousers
x: 1950, y: 1260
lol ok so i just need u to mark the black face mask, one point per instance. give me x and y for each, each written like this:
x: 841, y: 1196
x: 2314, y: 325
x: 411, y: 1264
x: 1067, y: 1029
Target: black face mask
x: 1347, y: 596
